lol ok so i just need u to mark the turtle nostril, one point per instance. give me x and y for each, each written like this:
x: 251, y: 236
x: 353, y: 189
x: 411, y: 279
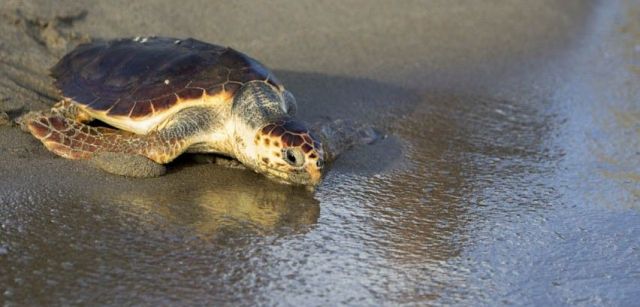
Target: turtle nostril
x: 320, y: 163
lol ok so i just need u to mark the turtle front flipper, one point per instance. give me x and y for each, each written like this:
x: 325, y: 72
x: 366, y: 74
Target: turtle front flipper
x: 338, y: 136
x: 117, y: 151
x: 111, y: 150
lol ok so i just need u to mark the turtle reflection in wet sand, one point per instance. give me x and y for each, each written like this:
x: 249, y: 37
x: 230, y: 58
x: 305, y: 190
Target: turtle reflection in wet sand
x: 166, y: 96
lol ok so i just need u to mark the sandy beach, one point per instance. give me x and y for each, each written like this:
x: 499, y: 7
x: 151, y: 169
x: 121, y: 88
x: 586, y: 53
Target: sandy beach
x: 509, y: 174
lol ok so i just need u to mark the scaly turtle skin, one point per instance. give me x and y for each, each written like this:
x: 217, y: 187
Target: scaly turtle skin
x: 169, y: 96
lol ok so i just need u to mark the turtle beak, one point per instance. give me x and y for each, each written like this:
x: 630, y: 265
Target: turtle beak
x: 314, y: 176
x: 315, y: 172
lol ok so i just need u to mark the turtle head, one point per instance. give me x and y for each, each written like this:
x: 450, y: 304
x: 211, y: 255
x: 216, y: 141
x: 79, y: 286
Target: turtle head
x: 270, y: 141
x: 287, y: 151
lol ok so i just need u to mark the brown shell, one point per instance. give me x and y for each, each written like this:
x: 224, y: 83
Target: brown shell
x: 141, y: 76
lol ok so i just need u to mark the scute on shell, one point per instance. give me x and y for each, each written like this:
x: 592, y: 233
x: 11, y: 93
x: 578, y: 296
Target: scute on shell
x: 137, y: 77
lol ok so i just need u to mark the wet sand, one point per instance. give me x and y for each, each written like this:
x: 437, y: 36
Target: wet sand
x: 510, y: 173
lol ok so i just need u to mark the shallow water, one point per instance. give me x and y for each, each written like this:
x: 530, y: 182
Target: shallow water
x: 508, y: 177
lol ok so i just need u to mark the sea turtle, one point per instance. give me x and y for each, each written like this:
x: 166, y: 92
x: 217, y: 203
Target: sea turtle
x: 165, y: 96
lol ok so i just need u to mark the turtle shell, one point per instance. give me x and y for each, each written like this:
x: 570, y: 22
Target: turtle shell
x: 140, y: 77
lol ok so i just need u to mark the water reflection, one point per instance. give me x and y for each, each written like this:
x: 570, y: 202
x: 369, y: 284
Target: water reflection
x: 470, y: 157
x: 209, y: 204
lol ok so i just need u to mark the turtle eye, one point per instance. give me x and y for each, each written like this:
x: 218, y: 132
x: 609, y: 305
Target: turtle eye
x: 293, y: 156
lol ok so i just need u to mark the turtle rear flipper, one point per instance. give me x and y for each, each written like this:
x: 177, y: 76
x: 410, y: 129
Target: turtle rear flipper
x: 64, y: 108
